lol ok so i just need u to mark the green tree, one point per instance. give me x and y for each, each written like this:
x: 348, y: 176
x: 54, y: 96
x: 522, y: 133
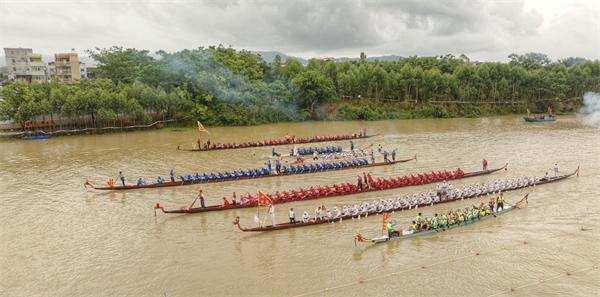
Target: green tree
x: 313, y: 88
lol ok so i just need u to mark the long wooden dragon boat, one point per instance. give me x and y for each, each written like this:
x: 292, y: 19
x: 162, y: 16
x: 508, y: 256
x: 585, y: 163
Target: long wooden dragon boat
x: 277, y: 142
x: 405, y: 234
x: 330, y: 167
x: 350, y: 189
x: 349, y: 217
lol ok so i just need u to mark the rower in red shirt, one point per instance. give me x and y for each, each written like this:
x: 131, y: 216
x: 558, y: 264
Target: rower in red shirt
x: 485, y: 164
x: 225, y: 202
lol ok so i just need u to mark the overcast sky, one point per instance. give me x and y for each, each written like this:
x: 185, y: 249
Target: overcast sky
x: 483, y: 30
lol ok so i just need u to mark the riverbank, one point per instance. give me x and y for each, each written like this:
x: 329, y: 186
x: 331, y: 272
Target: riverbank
x: 84, y: 131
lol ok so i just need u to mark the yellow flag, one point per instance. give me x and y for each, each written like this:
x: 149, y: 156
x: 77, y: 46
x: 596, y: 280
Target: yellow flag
x: 201, y: 128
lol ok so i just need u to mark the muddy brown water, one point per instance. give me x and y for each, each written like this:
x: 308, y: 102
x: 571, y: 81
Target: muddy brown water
x: 59, y: 239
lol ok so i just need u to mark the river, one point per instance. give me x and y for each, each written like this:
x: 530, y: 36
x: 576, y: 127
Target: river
x: 59, y: 239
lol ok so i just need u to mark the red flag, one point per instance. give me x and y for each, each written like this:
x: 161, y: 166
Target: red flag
x: 263, y: 199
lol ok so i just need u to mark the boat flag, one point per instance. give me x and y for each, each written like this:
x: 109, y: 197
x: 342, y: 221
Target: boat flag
x: 386, y: 217
x: 201, y: 128
x: 263, y: 199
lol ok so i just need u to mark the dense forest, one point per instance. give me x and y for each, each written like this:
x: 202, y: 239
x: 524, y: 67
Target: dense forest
x: 224, y: 86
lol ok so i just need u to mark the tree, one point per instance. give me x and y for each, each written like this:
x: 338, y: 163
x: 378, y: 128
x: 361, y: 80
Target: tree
x: 313, y: 88
x: 123, y: 65
x: 529, y: 60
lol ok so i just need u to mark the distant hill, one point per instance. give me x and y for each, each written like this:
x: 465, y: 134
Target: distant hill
x: 388, y: 58
x: 269, y: 56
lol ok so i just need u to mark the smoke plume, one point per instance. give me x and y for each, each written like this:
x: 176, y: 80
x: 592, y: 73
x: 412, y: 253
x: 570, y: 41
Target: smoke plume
x: 591, y: 109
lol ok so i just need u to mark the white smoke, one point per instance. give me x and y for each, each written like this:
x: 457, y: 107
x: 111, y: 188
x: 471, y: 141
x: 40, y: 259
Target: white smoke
x: 591, y: 109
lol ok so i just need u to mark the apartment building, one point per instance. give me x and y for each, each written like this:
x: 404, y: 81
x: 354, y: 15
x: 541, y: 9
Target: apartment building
x: 37, y: 67
x: 66, y: 67
x: 17, y: 61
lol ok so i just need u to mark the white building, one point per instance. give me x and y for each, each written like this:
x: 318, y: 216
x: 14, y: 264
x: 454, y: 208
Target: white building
x: 82, y: 69
x: 17, y: 61
x: 37, y: 67
x: 23, y: 64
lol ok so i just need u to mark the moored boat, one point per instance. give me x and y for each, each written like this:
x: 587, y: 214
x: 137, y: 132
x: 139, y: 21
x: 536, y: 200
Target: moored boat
x: 319, y: 192
x: 405, y: 234
x: 292, y: 170
x: 35, y: 137
x: 545, y: 118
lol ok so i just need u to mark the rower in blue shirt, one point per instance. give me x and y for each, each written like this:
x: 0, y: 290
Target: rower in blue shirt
x: 140, y: 182
x: 277, y: 166
x: 172, y: 175
x: 269, y: 166
x: 372, y: 156
x: 160, y: 180
x: 197, y: 177
x: 182, y: 178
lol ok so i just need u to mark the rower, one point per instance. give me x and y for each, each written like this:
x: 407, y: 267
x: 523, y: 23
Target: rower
x: 318, y: 213
x: 272, y: 214
x: 485, y: 164
x: 546, y: 177
x: 201, y: 198
x: 491, y: 203
x: 292, y: 216
x: 390, y: 229
x: 372, y: 156
x: 121, y: 177
x: 269, y: 166
x: 172, y: 175
x: 140, y: 182
x: 160, y: 180
x: 305, y: 217
x: 351, y: 145
x: 225, y: 202
x: 500, y: 202
x: 277, y: 166
x: 555, y: 169
x: 414, y: 227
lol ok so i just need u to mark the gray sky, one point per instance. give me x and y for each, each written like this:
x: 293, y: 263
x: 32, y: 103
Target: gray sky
x: 484, y: 30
